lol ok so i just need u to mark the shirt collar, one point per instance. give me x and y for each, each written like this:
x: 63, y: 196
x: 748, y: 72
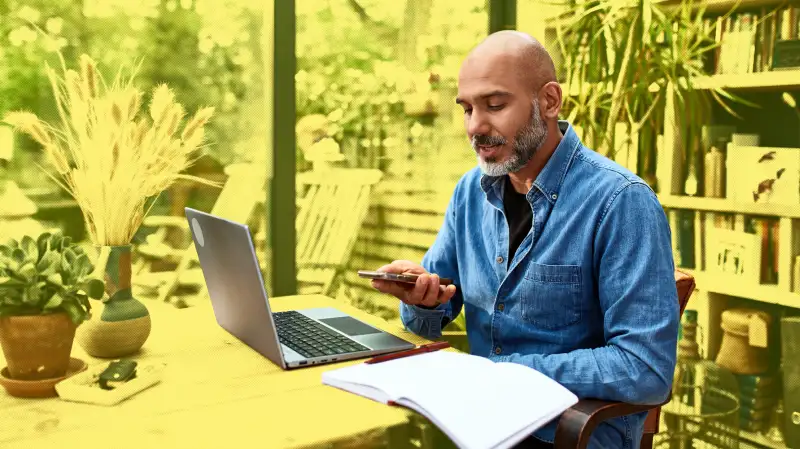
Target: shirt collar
x: 552, y: 175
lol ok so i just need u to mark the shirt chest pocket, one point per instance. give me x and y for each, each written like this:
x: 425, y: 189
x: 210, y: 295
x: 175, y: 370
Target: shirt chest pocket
x: 551, y: 295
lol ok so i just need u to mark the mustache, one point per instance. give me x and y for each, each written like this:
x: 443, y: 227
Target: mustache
x: 484, y: 140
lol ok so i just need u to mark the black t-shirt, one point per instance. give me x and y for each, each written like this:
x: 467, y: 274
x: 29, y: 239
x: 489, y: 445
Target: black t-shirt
x: 519, y: 216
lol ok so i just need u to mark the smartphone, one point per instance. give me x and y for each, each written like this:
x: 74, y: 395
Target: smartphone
x: 407, y: 278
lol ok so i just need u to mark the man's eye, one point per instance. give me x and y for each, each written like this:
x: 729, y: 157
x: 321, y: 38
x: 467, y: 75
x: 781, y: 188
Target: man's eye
x: 495, y: 108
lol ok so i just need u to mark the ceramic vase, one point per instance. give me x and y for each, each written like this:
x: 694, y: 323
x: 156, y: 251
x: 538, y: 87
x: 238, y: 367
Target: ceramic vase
x: 736, y: 353
x: 120, y: 324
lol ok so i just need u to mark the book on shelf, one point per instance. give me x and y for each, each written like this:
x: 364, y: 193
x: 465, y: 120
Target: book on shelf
x: 746, y: 38
x: 477, y: 403
x: 767, y: 229
x: 683, y: 237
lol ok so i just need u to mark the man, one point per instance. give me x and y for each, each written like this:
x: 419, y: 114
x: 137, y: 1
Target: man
x: 561, y: 258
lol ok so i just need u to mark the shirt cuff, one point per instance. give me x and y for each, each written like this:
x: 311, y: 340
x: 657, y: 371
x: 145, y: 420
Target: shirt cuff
x: 428, y: 322
x: 423, y: 312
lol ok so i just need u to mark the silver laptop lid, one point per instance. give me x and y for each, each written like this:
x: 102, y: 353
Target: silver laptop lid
x: 235, y: 285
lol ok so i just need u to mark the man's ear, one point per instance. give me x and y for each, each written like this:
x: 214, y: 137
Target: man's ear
x: 550, y: 100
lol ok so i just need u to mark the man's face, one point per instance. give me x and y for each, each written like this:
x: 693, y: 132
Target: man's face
x: 501, y: 116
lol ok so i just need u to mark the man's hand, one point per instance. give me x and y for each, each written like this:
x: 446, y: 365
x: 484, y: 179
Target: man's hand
x: 426, y: 292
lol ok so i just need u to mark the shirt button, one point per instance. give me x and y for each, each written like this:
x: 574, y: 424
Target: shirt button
x: 499, y: 259
x: 501, y: 306
x: 497, y: 350
x: 554, y: 196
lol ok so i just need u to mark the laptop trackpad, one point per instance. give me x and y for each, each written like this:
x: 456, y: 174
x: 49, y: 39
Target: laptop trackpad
x: 349, y: 326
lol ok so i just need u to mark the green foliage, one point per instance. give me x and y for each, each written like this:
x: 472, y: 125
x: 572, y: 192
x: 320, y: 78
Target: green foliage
x: 208, y: 51
x: 23, y: 83
x: 368, y: 66
x: 47, y: 275
x: 354, y: 70
x: 621, y: 57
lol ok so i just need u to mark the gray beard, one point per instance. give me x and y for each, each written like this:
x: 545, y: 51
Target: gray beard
x: 526, y: 143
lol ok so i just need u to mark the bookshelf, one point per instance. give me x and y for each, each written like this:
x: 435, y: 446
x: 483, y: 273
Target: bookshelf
x: 770, y: 81
x: 709, y: 6
x: 743, y: 67
x: 757, y: 81
x: 763, y: 293
x: 742, y: 64
x: 723, y: 6
x: 698, y: 203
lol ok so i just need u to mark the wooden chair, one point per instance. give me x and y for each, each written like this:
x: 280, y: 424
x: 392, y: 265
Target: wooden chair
x: 239, y: 199
x: 575, y: 426
x: 332, y: 206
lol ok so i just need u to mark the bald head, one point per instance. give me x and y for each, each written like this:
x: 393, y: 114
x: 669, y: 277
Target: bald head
x: 511, y: 99
x: 517, y: 52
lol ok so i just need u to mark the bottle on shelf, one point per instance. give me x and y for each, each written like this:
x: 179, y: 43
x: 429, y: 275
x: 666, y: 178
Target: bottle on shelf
x: 715, y: 170
x: 688, y: 356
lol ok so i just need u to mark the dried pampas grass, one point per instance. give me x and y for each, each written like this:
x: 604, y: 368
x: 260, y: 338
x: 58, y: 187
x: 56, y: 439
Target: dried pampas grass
x: 111, y: 159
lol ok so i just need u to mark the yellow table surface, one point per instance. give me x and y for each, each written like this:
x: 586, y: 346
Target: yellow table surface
x: 215, y: 392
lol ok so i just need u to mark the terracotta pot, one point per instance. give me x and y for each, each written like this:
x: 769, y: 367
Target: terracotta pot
x: 120, y: 326
x: 37, y: 347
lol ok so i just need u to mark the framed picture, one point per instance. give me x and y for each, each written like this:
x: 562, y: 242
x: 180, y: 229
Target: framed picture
x: 763, y: 175
x: 735, y: 254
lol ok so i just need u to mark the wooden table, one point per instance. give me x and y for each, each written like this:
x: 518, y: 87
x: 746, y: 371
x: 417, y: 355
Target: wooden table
x: 215, y: 393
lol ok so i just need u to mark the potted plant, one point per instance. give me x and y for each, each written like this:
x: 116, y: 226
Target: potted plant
x: 45, y: 286
x: 115, y: 157
x: 628, y: 62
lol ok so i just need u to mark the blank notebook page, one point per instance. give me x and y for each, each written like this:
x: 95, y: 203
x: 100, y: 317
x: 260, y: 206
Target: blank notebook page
x: 477, y: 402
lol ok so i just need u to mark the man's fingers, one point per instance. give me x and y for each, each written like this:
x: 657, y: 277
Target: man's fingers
x: 396, y: 289
x: 416, y: 295
x: 431, y: 297
x: 446, y: 293
x: 390, y: 268
x: 427, y: 291
x: 402, y: 266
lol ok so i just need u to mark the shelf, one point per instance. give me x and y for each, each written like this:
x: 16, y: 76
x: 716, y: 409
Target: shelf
x: 724, y: 205
x: 759, y: 81
x: 723, y: 6
x: 761, y: 440
x: 729, y: 285
x: 776, y: 80
x: 711, y: 6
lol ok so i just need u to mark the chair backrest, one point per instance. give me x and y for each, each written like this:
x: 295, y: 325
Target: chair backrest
x: 685, y: 283
x: 332, y: 206
x: 242, y: 192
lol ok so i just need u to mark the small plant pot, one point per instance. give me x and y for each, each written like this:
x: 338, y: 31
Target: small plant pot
x: 37, y: 347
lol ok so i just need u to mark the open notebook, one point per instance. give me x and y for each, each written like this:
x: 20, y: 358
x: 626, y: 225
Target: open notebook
x: 478, y: 403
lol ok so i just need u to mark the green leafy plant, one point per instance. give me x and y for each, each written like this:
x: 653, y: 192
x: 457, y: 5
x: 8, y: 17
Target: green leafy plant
x: 620, y: 58
x: 47, y: 275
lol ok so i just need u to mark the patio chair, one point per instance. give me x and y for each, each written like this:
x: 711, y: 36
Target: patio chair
x: 331, y: 210
x: 241, y: 196
x: 575, y: 426
x: 332, y: 206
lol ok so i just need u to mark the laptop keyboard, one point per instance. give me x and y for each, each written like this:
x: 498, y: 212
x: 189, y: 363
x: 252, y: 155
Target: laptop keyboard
x: 310, y: 338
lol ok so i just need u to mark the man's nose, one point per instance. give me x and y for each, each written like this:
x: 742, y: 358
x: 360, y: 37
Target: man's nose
x: 477, y: 123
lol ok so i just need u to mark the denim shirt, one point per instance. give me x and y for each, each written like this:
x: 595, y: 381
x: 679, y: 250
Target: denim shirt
x: 589, y: 298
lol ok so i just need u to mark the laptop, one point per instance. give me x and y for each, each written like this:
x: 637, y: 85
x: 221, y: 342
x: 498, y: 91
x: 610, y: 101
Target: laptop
x: 291, y: 339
